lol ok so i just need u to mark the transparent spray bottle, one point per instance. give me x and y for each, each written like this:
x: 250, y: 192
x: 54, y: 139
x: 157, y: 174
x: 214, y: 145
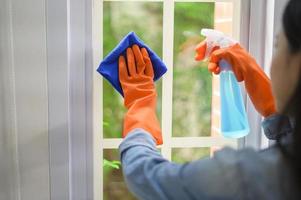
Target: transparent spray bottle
x: 234, y: 122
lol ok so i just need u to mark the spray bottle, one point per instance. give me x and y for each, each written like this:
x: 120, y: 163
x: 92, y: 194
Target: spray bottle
x: 234, y: 122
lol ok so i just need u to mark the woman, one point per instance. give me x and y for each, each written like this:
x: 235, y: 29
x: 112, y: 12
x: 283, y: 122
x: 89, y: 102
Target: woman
x: 274, y: 173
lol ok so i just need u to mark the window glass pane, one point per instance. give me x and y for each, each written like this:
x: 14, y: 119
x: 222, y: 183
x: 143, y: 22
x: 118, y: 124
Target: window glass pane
x: 183, y: 155
x: 114, y: 185
x: 145, y: 19
x: 192, y: 85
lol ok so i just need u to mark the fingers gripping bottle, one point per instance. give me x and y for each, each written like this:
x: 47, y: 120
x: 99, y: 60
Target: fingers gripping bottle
x: 234, y: 122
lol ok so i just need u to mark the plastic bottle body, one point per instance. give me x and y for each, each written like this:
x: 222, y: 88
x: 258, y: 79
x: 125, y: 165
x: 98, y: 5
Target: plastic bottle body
x: 234, y: 122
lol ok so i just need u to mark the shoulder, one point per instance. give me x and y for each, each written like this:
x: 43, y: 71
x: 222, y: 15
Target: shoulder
x: 243, y: 174
x: 249, y: 162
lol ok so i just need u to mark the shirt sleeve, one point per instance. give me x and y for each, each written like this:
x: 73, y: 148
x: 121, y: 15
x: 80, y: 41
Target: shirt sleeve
x: 277, y: 126
x: 150, y: 176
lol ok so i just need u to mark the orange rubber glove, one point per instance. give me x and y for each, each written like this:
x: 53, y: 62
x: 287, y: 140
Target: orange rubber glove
x: 140, y: 97
x: 245, y: 69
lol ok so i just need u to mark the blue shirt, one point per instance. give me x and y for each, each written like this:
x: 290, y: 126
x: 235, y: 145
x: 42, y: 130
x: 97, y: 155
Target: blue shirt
x: 230, y: 174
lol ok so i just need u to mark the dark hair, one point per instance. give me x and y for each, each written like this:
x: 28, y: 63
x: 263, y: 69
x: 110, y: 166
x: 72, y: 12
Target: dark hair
x: 292, y: 26
x: 292, y: 31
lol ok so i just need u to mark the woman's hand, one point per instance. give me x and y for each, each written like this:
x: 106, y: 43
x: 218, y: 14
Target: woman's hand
x: 245, y: 69
x: 136, y: 77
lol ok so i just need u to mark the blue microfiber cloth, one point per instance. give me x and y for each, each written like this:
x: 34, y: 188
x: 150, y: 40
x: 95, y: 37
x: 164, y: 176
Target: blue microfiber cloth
x: 109, y: 66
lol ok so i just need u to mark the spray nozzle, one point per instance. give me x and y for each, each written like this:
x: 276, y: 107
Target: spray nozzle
x: 216, y: 38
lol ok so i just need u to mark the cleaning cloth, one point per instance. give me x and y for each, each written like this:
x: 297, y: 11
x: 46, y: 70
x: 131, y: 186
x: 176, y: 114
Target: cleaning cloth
x: 109, y: 66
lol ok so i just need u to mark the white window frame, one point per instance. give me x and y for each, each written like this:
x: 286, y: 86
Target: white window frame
x: 261, y: 20
x: 99, y: 142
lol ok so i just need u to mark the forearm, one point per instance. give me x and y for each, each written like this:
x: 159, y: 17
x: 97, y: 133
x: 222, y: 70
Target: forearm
x: 147, y: 174
x: 260, y: 92
x: 142, y: 114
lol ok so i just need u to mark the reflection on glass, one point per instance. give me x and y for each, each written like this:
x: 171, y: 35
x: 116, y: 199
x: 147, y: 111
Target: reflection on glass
x: 183, y: 155
x: 114, y: 185
x: 192, y: 86
x: 119, y: 19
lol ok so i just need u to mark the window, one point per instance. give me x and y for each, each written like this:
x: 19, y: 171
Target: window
x: 188, y: 96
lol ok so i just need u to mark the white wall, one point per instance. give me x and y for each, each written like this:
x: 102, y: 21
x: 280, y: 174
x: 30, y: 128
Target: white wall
x: 25, y: 100
x: 45, y: 109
